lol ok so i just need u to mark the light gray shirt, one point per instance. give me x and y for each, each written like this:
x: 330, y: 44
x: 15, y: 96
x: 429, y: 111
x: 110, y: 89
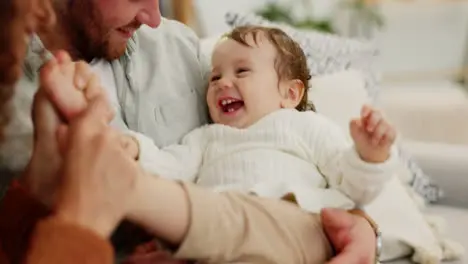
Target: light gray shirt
x: 161, y: 83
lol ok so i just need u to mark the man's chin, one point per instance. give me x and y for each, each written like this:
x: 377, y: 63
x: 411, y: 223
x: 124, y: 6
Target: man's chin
x: 116, y: 47
x: 116, y: 51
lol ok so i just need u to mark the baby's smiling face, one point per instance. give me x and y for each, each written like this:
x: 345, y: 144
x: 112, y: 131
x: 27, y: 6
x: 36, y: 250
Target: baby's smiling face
x: 244, y: 84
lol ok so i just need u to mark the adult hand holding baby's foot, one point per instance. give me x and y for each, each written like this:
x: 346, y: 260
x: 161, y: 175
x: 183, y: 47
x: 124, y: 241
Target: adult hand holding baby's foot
x: 41, y: 173
x: 65, y: 92
x: 69, y: 85
x: 58, y: 78
x: 373, y: 135
x: 94, y: 193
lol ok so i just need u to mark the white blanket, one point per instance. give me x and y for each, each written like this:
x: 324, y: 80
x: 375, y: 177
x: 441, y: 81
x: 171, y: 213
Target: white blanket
x: 398, y: 210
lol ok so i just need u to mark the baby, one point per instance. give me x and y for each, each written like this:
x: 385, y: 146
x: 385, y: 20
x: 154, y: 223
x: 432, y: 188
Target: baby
x: 267, y: 140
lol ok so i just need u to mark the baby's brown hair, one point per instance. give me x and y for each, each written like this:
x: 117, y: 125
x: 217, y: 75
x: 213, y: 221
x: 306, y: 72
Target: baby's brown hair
x: 290, y: 62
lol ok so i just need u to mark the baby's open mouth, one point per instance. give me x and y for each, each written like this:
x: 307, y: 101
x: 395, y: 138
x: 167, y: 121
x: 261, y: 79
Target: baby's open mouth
x: 230, y: 105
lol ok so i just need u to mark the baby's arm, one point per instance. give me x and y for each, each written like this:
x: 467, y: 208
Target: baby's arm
x: 338, y: 160
x: 176, y: 162
x: 74, y: 84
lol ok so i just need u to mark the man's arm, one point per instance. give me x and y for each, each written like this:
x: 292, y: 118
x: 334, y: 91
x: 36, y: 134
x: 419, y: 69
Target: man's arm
x: 353, y: 235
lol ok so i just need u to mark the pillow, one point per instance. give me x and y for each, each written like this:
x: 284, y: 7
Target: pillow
x: 397, y: 211
x: 207, y: 46
x: 325, y: 53
x: 339, y: 96
x: 419, y: 181
x: 328, y: 54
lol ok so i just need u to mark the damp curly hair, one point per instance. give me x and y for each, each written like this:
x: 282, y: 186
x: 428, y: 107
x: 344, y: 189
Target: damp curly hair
x: 290, y: 62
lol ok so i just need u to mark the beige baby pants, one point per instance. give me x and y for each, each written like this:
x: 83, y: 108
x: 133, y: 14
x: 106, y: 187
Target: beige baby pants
x: 239, y: 228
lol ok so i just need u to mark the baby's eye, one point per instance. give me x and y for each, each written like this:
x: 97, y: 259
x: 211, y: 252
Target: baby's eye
x: 242, y: 70
x: 215, y: 78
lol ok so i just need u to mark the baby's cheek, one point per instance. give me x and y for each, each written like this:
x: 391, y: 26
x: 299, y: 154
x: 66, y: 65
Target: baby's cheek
x: 214, y: 115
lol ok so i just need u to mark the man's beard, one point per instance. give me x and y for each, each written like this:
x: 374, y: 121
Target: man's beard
x: 89, y: 35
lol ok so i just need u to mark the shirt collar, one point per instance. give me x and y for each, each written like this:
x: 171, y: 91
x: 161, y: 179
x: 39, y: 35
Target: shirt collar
x: 36, y: 56
x: 131, y: 45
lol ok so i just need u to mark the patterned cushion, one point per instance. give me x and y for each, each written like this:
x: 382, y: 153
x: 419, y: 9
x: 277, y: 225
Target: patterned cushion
x: 420, y: 182
x: 328, y: 54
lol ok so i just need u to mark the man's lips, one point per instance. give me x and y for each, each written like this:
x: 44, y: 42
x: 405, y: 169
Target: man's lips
x: 126, y: 32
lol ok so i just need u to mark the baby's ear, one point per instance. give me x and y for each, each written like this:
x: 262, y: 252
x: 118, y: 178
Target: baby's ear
x: 292, y: 92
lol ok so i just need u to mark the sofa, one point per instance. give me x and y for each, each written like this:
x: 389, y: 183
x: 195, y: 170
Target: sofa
x: 425, y: 42
x: 433, y: 118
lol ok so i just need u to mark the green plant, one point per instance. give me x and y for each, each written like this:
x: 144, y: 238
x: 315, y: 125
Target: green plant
x: 321, y: 25
x: 366, y: 12
x: 283, y: 14
x: 275, y: 12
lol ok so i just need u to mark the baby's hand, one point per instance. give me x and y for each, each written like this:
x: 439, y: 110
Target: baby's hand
x: 373, y: 136
x: 69, y: 85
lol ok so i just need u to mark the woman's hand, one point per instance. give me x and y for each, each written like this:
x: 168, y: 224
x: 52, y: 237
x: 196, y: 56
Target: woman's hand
x: 56, y: 75
x: 99, y: 177
x: 352, y: 237
x: 41, y: 173
x: 70, y: 86
x: 71, y: 116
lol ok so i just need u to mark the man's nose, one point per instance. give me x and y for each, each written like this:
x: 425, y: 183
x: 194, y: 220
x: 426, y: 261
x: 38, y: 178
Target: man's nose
x: 150, y: 14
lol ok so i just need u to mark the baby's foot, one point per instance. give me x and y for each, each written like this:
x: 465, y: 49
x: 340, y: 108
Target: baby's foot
x: 64, y: 82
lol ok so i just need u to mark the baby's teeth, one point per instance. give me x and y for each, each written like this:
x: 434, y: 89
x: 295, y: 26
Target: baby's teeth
x: 230, y: 110
x: 227, y: 101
